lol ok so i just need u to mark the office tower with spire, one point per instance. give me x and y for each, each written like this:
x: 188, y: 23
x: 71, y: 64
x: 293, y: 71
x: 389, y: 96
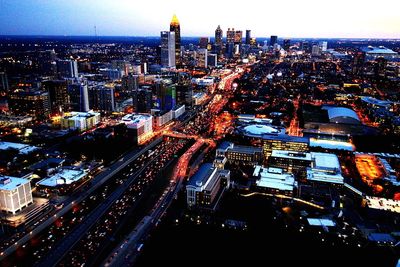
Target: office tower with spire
x: 168, y: 52
x: 176, y: 28
x: 248, y: 36
x: 218, y: 36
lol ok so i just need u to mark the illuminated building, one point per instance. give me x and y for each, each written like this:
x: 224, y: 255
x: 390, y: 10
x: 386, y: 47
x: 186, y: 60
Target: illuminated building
x: 206, y: 186
x: 358, y: 63
x: 324, y: 46
x: 176, y: 28
x: 203, y: 42
x: 274, y: 181
x: 238, y: 37
x: 161, y: 118
x: 315, y: 50
x: 230, y: 36
x: 218, y: 36
x: 143, y: 99
x: 253, y: 41
x: 140, y: 126
x: 67, y: 68
x: 184, y: 94
x: 168, y: 52
x: 324, y: 168
x: 305, y: 46
x: 15, y: 194
x: 286, y: 44
x: 22, y: 149
x: 248, y: 36
x: 212, y: 60
x: 29, y: 102
x: 101, y: 97
x: 178, y: 111
x: 3, y: 82
x: 64, y: 177
x: 289, y: 161
x: 372, y: 53
x: 58, y: 95
x: 112, y: 74
x: 166, y: 94
x: 236, y: 154
x: 284, y: 142
x: 273, y: 40
x: 79, y: 97
x: 201, y: 58
x: 80, y: 121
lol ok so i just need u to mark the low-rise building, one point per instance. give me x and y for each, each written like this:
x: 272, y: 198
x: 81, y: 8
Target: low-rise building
x: 274, y: 181
x: 284, y: 142
x: 324, y: 168
x: 236, y: 154
x: 205, y: 188
x: 15, y: 194
x: 290, y: 161
x: 65, y: 177
x: 178, y: 111
x: 81, y: 121
x: 22, y: 149
x: 161, y: 117
x: 140, y: 126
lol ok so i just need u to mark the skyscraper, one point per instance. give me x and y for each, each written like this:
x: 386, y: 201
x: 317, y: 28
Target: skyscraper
x: 324, y: 46
x: 286, y: 44
x: 3, y: 82
x: 248, y: 36
x: 79, y: 98
x: 201, y: 58
x: 59, y: 99
x: 203, y: 42
x: 238, y: 37
x: 218, y: 36
x: 176, y: 28
x: 230, y: 36
x: 67, y: 68
x: 168, y: 54
x: 166, y: 94
x: 273, y: 40
x: 101, y: 97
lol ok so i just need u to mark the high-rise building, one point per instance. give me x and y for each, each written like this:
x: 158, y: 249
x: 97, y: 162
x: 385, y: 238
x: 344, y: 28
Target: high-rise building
x: 203, y: 42
x: 144, y: 100
x: 286, y: 44
x: 67, y: 68
x: 248, y: 36
x: 212, y: 60
x: 168, y: 52
x: 3, y: 82
x: 79, y: 97
x: 176, y: 28
x: 201, y: 58
x: 15, y: 193
x: 29, y: 102
x: 230, y: 36
x: 238, y: 37
x: 273, y: 40
x: 358, y: 63
x: 80, y: 121
x: 230, y: 49
x: 315, y: 50
x: 166, y: 94
x: 218, y: 36
x: 324, y: 46
x: 305, y: 46
x: 101, y: 97
x: 58, y: 94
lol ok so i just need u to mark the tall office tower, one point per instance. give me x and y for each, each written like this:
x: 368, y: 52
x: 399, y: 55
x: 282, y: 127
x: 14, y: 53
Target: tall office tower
x: 315, y: 50
x: 29, y: 102
x: 101, y: 98
x: 305, y: 46
x: 212, y: 60
x: 58, y: 94
x: 130, y: 85
x: 168, y: 56
x: 166, y: 94
x: 184, y: 89
x: 203, y: 42
x: 79, y: 98
x: 218, y: 36
x: 230, y: 36
x: 201, y: 58
x: 67, y: 68
x: 3, y: 82
x: 273, y: 40
x: 324, y: 46
x: 46, y: 61
x: 286, y: 44
x: 248, y: 36
x: 238, y: 37
x: 144, y: 98
x: 176, y: 28
x: 230, y: 49
x: 380, y: 67
x: 358, y: 63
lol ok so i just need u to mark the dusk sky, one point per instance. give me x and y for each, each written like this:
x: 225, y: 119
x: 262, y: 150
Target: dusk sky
x: 290, y: 18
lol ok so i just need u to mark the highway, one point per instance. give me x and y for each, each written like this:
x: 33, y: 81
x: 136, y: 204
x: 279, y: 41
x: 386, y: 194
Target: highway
x: 56, y: 254
x: 99, y: 180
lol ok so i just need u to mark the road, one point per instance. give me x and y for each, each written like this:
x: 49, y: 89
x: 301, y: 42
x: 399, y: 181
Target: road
x: 69, y: 203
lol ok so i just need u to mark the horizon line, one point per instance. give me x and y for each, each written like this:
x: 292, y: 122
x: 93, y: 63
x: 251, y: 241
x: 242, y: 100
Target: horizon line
x: 194, y: 36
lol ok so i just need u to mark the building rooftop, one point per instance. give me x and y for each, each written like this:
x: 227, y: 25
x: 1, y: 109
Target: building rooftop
x: 64, y: 177
x: 321, y: 222
x: 332, y: 144
x: 258, y: 129
x: 342, y: 115
x: 134, y: 120
x: 325, y: 161
x: 22, y: 148
x: 378, y: 50
x: 201, y: 176
x: 74, y: 115
x: 291, y: 155
x: 10, y: 183
x: 287, y: 138
x: 274, y: 178
x: 376, y: 102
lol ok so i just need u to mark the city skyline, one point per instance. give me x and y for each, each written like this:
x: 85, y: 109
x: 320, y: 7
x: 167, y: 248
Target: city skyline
x: 124, y: 18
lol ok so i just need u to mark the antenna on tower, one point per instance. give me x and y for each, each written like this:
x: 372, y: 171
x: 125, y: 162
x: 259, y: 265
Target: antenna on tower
x: 95, y: 31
